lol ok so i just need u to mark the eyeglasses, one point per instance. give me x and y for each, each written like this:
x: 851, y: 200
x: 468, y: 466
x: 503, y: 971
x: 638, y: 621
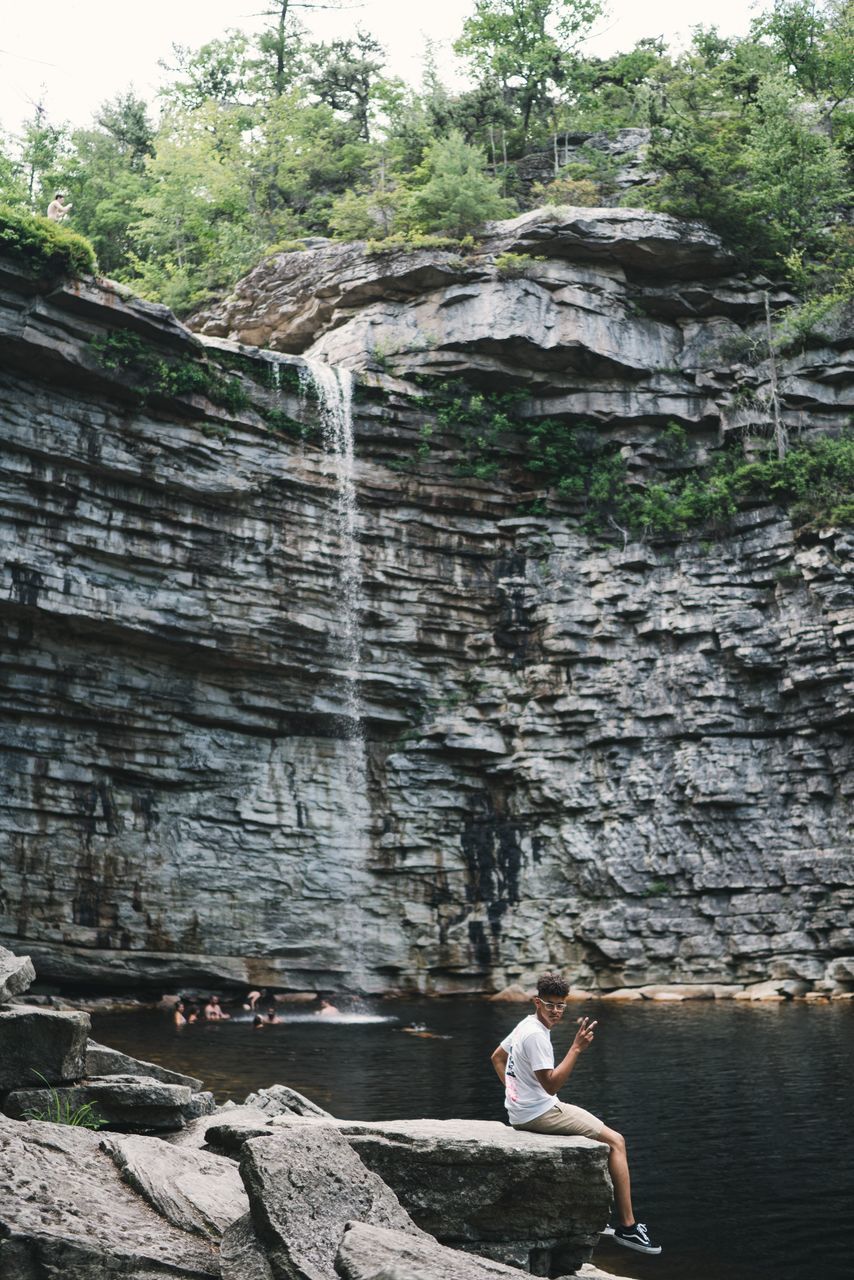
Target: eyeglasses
x: 552, y: 1008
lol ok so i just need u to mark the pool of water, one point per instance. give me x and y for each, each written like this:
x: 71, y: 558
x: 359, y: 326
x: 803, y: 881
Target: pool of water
x: 739, y: 1117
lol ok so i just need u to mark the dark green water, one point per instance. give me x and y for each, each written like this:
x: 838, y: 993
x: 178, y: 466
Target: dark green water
x: 739, y: 1119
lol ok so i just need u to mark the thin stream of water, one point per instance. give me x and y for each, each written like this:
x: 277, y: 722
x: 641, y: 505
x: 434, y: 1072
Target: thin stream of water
x: 333, y: 387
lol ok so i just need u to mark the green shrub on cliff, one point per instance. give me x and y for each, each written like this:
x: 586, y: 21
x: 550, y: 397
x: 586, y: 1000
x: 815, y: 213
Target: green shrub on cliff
x: 454, y: 195
x: 45, y: 247
x: 813, y: 483
x: 147, y: 373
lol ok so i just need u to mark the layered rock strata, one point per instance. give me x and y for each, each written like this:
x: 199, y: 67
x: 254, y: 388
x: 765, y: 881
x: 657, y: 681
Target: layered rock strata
x: 629, y: 761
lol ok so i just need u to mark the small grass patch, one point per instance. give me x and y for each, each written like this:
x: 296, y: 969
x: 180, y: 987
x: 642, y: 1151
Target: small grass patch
x: 414, y: 242
x: 514, y: 266
x: 59, y: 1110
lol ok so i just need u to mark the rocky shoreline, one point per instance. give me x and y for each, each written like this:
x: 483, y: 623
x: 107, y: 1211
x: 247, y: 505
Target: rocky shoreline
x: 839, y: 986
x: 274, y: 1188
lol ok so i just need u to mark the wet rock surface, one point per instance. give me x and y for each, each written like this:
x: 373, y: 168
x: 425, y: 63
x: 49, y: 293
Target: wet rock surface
x: 630, y: 760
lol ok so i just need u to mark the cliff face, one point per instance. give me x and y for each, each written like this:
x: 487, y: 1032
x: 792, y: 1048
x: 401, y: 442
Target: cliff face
x: 630, y: 761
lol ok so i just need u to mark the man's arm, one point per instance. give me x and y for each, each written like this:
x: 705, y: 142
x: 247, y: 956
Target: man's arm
x: 554, y: 1078
x: 499, y: 1061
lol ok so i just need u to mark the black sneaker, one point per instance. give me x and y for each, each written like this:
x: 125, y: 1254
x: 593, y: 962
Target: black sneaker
x: 636, y: 1237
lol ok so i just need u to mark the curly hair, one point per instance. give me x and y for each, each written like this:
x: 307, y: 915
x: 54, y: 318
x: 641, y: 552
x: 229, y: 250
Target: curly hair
x: 552, y: 984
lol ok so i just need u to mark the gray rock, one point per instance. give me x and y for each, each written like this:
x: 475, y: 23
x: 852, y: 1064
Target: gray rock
x: 129, y: 1102
x: 193, y: 1190
x: 103, y: 1061
x: 426, y: 1162
x: 241, y: 1255
x: 369, y: 1252
x: 304, y: 1184
x: 65, y: 1212
x: 41, y: 1042
x: 16, y: 974
x: 280, y: 1099
x: 230, y: 1130
x: 200, y: 1104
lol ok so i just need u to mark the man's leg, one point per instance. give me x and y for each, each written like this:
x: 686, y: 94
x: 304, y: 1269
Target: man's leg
x: 618, y: 1166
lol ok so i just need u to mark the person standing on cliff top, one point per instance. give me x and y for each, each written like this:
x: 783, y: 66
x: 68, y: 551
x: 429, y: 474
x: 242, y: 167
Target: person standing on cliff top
x: 525, y: 1065
x: 56, y: 210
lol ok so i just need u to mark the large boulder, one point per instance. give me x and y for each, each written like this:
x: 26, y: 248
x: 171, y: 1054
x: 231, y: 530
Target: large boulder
x: 304, y: 1184
x: 291, y: 299
x: 41, y: 1043
x: 539, y: 1200
x: 194, y: 1190
x: 16, y: 974
x: 66, y: 1214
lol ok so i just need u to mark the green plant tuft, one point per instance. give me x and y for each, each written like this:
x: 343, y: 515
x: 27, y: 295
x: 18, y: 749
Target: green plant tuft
x: 512, y: 266
x: 45, y: 247
x: 416, y: 240
x: 59, y: 1110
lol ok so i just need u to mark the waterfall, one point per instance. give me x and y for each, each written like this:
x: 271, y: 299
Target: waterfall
x: 333, y: 387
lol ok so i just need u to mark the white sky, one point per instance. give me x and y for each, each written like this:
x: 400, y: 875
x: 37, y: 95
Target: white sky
x: 77, y: 53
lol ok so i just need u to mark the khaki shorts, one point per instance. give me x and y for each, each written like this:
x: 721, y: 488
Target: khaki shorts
x: 562, y: 1118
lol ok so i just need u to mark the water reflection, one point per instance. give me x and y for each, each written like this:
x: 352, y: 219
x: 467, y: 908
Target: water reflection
x: 738, y: 1118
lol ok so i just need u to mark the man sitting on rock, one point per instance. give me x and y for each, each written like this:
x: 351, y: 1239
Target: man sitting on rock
x: 525, y: 1065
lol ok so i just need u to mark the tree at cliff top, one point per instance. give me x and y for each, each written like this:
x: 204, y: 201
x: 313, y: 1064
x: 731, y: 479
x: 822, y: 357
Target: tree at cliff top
x: 525, y: 46
x: 265, y: 139
x: 228, y: 184
x: 738, y: 145
x: 105, y: 176
x: 455, y: 195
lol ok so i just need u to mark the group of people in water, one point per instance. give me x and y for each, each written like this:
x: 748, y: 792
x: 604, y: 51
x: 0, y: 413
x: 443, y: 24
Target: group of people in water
x: 186, y: 1011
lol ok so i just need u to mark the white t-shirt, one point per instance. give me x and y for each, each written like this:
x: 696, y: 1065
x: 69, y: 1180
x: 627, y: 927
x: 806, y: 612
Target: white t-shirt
x: 529, y: 1049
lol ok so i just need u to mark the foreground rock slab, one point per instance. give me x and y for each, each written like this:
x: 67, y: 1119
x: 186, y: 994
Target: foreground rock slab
x: 66, y: 1214
x: 194, y: 1190
x: 304, y: 1184
x: 241, y: 1254
x: 540, y: 1201
x: 36, y: 1042
x: 376, y: 1253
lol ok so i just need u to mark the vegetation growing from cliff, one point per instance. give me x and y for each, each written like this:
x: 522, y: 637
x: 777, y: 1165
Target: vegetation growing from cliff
x: 44, y: 247
x: 263, y: 141
x: 577, y: 464
x: 147, y: 373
